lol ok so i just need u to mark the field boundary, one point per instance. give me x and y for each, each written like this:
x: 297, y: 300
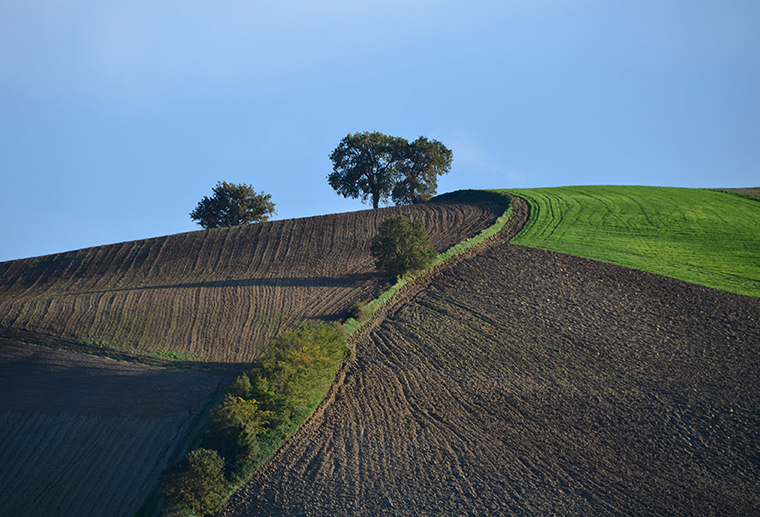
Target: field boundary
x: 513, y: 205
x: 706, y: 237
x: 506, y: 226
x: 378, y: 307
x: 226, y: 370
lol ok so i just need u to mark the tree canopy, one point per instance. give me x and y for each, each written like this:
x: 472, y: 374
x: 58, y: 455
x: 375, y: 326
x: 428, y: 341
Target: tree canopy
x: 231, y: 205
x: 376, y: 167
x: 401, y: 246
x: 421, y: 163
x: 197, y: 482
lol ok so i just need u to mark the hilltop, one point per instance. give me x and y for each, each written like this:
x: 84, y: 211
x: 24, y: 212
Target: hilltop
x: 215, y: 295
x: 206, y: 300
x: 523, y: 381
x: 513, y: 380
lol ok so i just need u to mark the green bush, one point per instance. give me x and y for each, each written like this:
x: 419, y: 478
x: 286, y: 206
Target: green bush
x: 302, y: 364
x: 360, y: 312
x: 259, y: 411
x: 198, y: 482
x: 401, y: 246
x: 238, y: 421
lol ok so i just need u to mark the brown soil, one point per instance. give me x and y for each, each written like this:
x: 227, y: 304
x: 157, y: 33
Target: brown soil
x: 527, y: 382
x: 215, y: 295
x: 750, y: 191
x: 88, y: 436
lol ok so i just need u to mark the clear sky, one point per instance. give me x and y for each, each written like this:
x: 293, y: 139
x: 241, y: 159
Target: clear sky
x: 116, y: 118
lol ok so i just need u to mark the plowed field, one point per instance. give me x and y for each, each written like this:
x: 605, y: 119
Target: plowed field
x: 88, y: 436
x: 527, y: 382
x: 215, y: 295
x: 752, y: 191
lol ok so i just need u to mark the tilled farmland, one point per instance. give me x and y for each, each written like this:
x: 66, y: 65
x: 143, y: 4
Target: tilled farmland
x: 215, y: 295
x: 88, y: 436
x: 527, y: 382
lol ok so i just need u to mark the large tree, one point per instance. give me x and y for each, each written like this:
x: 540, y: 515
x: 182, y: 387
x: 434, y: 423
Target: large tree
x: 423, y: 161
x: 364, y: 165
x: 231, y: 205
x: 376, y: 167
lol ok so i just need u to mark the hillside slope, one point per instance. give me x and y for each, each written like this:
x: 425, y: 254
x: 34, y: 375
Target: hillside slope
x: 215, y: 295
x: 703, y: 236
x: 88, y: 436
x: 527, y: 382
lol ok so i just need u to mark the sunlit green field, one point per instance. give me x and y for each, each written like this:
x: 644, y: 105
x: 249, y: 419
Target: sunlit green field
x: 701, y: 236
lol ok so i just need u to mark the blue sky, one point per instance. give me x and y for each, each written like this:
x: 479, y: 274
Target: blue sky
x: 116, y: 118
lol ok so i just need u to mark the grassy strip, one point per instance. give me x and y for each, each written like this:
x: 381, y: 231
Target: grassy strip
x: 700, y: 236
x: 351, y: 325
x: 269, y: 402
x: 169, y: 355
x: 259, y: 411
x: 99, y: 343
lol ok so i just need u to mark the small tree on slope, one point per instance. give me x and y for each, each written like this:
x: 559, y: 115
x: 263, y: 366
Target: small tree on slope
x: 401, y: 246
x: 232, y: 205
x: 198, y: 482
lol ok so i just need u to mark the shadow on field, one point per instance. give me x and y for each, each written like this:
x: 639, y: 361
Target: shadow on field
x: 354, y: 280
x: 40, y: 379
x: 10, y: 337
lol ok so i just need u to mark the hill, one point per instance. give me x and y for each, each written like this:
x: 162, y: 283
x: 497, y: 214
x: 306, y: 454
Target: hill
x: 703, y: 236
x: 513, y: 380
x: 86, y: 435
x: 214, y: 295
x: 527, y: 382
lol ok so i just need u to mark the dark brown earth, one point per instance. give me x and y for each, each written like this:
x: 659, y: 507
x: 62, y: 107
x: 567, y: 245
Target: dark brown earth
x: 85, y: 435
x: 527, y: 382
x: 749, y: 191
x: 216, y: 295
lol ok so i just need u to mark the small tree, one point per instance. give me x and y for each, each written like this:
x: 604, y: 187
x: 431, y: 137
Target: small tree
x: 198, y: 482
x: 401, y: 246
x: 360, y: 312
x: 302, y: 363
x: 240, y: 421
x: 232, y: 205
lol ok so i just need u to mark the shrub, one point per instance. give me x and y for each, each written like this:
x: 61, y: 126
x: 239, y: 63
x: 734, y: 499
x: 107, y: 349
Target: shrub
x: 302, y: 364
x: 259, y: 411
x: 241, y: 387
x: 239, y: 421
x: 198, y: 482
x: 360, y: 312
x: 401, y: 246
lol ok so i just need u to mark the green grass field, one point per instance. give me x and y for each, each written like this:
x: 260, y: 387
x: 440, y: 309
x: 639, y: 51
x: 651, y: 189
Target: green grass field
x: 701, y: 236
